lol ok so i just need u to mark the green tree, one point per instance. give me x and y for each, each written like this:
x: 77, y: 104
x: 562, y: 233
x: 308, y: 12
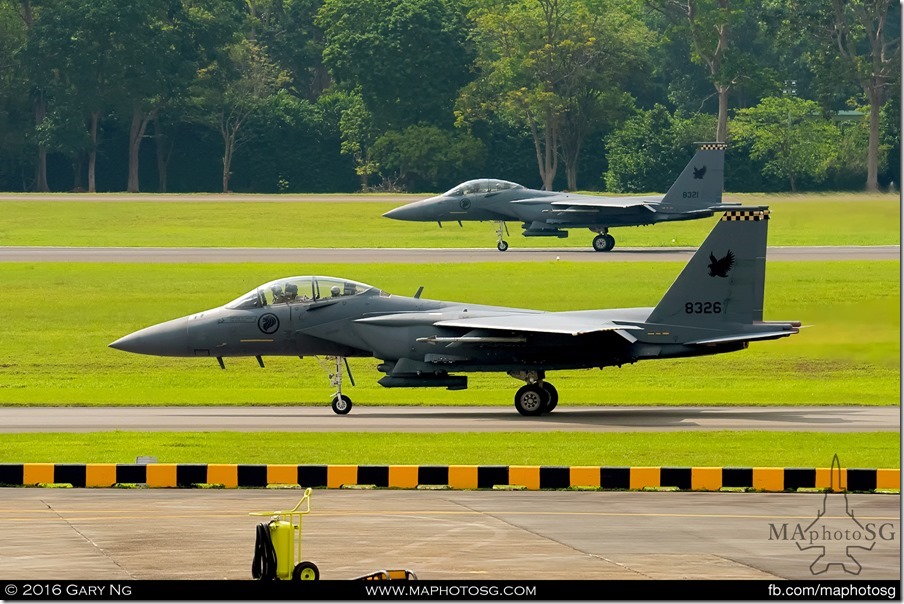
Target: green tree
x: 286, y: 28
x: 427, y: 158
x: 865, y: 38
x: 791, y: 136
x: 233, y: 90
x: 159, y: 64
x: 648, y: 152
x: 311, y: 162
x: 552, y: 67
x: 408, y: 58
x: 39, y: 80
x: 356, y: 127
x: 718, y: 31
x: 16, y: 112
x: 83, y: 45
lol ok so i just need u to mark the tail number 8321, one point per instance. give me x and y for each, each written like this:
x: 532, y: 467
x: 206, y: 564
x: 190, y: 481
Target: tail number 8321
x: 703, y: 308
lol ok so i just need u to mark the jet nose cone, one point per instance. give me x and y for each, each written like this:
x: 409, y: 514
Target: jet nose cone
x: 399, y: 213
x: 165, y: 339
x: 426, y: 209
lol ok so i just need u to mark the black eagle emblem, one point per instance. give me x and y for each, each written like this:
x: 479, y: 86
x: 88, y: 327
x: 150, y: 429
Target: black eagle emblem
x: 268, y: 323
x: 699, y: 172
x: 720, y: 268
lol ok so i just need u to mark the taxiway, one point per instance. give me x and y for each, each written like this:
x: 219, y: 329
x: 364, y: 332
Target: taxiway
x: 447, y: 419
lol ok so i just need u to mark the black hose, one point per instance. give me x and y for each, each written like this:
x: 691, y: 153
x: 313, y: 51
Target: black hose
x: 264, y: 565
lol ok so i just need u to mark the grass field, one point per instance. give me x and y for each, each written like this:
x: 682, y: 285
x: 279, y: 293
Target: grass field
x: 831, y: 219
x: 727, y: 449
x: 59, y: 318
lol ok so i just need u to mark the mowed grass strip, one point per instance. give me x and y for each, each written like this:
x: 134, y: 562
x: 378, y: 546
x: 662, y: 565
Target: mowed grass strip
x: 828, y: 219
x: 59, y: 318
x: 675, y: 449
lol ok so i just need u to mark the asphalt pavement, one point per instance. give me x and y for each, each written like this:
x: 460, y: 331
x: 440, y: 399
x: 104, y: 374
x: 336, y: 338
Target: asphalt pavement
x: 448, y: 419
x: 56, y: 534
x: 418, y: 255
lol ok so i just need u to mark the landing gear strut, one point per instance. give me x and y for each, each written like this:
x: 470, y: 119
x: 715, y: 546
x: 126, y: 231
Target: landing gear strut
x: 604, y: 241
x: 341, y: 403
x: 501, y: 245
x: 537, y: 396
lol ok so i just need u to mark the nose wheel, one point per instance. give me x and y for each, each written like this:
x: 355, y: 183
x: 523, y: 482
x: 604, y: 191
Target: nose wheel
x: 501, y: 243
x: 341, y: 404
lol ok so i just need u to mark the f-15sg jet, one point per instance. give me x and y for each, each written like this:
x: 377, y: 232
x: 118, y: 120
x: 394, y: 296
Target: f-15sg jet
x: 714, y: 306
x: 697, y: 193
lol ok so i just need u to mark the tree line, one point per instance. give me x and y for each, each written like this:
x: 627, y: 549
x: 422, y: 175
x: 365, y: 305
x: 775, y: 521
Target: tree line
x: 341, y: 95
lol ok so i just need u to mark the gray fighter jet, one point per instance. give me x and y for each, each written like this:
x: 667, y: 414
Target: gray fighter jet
x: 697, y: 193
x: 714, y: 306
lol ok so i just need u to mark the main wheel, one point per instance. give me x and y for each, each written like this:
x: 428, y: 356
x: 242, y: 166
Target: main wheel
x: 603, y: 243
x: 553, y: 396
x: 342, y: 404
x: 305, y: 571
x: 502, y: 246
x: 531, y: 399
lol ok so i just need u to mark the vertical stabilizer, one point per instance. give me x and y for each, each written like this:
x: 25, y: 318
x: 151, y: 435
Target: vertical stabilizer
x: 701, y: 182
x: 724, y: 282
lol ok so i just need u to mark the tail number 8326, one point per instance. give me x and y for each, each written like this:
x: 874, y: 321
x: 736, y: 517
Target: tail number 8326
x: 703, y: 308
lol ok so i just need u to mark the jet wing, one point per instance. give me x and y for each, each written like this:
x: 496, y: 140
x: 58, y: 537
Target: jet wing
x: 537, y: 323
x: 588, y: 203
x: 603, y: 203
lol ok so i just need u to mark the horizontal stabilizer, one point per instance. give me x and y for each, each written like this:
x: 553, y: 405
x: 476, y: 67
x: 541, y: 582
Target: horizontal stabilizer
x: 766, y: 335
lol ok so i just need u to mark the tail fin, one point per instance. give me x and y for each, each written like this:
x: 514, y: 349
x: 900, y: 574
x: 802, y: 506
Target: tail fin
x: 701, y: 182
x: 724, y: 282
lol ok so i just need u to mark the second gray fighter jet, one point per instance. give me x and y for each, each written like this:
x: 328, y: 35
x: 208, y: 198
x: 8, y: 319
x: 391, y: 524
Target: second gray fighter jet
x: 697, y: 193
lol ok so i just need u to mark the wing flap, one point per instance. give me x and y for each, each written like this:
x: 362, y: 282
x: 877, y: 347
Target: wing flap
x: 537, y: 323
x: 602, y: 203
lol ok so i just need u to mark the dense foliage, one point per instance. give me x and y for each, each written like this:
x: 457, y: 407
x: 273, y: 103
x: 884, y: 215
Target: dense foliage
x: 341, y: 95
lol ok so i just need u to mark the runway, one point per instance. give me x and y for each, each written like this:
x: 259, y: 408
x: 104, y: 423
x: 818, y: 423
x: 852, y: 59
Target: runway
x: 492, y: 535
x: 447, y: 419
x: 417, y: 255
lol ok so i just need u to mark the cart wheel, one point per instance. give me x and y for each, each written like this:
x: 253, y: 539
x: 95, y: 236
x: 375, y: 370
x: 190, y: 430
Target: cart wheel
x: 305, y: 571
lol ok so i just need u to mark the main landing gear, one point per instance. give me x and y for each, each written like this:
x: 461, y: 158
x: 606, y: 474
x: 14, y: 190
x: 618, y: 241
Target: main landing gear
x: 537, y: 396
x: 341, y: 403
x: 604, y: 241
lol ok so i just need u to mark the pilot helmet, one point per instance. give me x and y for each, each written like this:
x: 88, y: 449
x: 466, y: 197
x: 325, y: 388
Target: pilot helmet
x: 276, y: 289
x: 334, y: 290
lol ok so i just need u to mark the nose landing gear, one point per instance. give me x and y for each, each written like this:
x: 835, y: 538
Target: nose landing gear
x: 341, y: 404
x: 501, y: 244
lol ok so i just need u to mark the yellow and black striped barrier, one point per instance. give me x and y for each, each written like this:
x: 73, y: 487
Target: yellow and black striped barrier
x: 454, y: 477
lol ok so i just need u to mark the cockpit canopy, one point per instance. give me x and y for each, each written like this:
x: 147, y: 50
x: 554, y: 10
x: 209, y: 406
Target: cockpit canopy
x: 481, y: 185
x: 299, y: 290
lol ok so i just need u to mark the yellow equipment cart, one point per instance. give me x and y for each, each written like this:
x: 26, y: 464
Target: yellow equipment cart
x: 277, y: 548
